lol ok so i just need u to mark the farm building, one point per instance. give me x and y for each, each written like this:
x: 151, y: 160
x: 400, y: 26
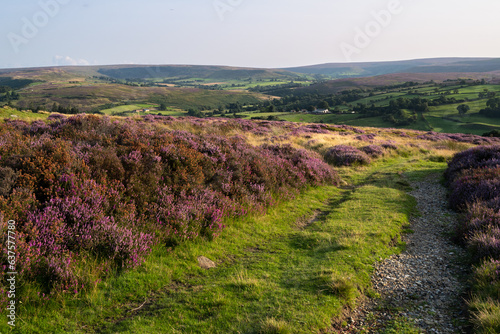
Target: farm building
x: 321, y: 111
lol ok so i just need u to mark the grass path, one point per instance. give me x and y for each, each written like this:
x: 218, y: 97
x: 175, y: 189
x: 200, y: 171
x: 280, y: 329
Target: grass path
x: 422, y: 290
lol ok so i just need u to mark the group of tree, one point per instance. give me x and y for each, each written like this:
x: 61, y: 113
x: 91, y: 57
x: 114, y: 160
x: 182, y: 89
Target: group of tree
x: 401, y: 117
x: 5, y: 89
x: 310, y: 101
x: 493, y: 133
x: 416, y: 104
x: 7, y: 95
x: 276, y: 90
x: 194, y: 112
x: 492, y: 108
x: 64, y: 109
x: 463, y: 109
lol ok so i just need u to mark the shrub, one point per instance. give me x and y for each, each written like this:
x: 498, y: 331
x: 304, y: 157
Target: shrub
x: 367, y: 138
x: 485, y: 244
x: 474, y: 180
x: 389, y: 145
x: 488, y: 273
x: 7, y: 179
x: 473, y: 185
x: 373, y: 151
x: 477, y: 157
x: 479, y: 217
x: 343, y: 155
x: 458, y: 137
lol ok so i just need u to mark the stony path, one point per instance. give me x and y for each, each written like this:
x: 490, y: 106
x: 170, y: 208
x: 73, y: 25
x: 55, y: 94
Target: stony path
x: 425, y: 283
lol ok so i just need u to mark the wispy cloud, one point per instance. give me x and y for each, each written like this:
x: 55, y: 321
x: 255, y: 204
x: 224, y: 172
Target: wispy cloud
x: 66, y: 60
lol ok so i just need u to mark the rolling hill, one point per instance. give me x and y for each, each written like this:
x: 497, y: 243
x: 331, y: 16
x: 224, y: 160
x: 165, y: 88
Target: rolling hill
x: 192, y: 71
x: 432, y: 65
x: 141, y: 72
x: 338, y: 85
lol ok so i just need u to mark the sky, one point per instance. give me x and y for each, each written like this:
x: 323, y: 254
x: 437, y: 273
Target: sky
x: 249, y: 33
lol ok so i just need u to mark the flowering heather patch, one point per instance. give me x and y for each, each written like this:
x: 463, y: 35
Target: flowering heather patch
x: 473, y: 185
x: 349, y: 128
x: 368, y: 138
x: 312, y: 168
x: 344, y: 155
x: 310, y: 128
x: 476, y: 157
x: 459, y: 137
x: 53, y: 117
x: 90, y: 186
x: 390, y: 145
x: 373, y: 151
x: 474, y: 181
x: 480, y: 216
x: 485, y: 244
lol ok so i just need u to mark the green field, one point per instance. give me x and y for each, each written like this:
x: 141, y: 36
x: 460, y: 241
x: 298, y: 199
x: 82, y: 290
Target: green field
x: 127, y: 108
x: 442, y: 118
x: 13, y: 114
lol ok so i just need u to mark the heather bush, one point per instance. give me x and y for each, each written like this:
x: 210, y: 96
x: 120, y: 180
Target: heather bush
x: 390, y: 145
x: 485, y: 244
x: 459, y: 137
x: 308, y: 164
x: 474, y: 180
x: 479, y: 216
x: 7, y: 179
x: 477, y: 157
x: 87, y: 186
x: 343, y: 155
x: 373, y: 151
x: 482, y: 184
x: 368, y: 138
x: 487, y: 275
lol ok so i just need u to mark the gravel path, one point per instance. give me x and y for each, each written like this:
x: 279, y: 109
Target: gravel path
x: 426, y: 283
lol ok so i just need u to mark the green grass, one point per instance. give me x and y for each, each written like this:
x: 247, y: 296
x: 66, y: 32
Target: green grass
x: 451, y: 109
x: 127, y: 108
x: 275, y: 273
x: 486, y: 312
x: 249, y: 115
x: 351, y: 119
x: 10, y: 113
x: 328, y: 118
x: 447, y: 119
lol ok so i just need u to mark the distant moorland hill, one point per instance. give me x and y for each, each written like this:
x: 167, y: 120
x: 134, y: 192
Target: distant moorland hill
x: 433, y: 65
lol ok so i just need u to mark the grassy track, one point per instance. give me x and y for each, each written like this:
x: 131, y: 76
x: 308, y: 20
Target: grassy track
x: 292, y: 270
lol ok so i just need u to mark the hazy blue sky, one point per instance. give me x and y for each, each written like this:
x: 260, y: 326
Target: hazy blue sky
x: 256, y: 33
